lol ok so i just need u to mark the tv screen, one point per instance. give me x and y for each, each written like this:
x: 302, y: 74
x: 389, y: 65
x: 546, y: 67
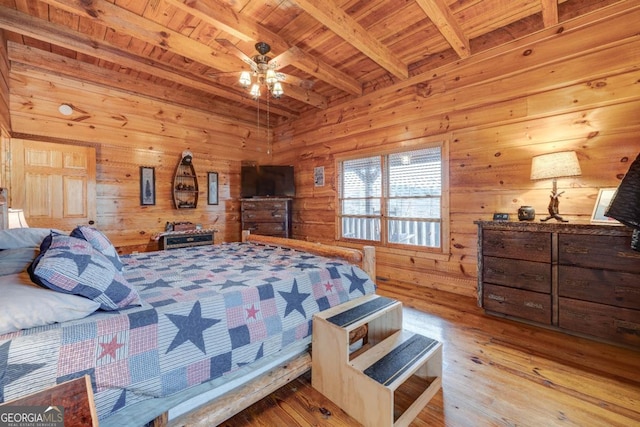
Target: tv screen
x: 267, y: 181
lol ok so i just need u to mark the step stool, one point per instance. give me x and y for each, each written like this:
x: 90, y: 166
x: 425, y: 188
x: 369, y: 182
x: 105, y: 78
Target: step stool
x: 363, y: 378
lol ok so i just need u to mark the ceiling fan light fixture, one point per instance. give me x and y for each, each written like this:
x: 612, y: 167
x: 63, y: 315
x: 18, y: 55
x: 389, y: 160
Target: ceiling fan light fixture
x: 277, y: 90
x: 245, y: 79
x: 255, y: 90
x: 271, y: 77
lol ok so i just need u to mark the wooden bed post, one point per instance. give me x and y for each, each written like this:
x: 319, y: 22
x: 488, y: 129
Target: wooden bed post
x: 366, y: 258
x: 369, y: 261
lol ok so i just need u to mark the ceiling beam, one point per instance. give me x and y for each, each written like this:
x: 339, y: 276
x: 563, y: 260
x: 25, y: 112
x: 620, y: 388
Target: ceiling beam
x: 341, y: 23
x: 317, y: 68
x: 440, y: 14
x: 549, y: 12
x: 221, y: 16
x: 24, y: 56
x: 305, y: 95
x: 39, y: 29
x: 138, y: 27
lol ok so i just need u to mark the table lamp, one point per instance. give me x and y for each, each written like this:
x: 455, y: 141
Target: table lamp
x: 17, y: 219
x: 555, y: 165
x: 625, y: 204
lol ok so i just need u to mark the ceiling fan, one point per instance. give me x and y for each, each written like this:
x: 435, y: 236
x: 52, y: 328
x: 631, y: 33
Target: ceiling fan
x: 263, y: 71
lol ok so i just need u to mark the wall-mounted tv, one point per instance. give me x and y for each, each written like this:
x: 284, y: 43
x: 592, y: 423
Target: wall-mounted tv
x: 267, y: 181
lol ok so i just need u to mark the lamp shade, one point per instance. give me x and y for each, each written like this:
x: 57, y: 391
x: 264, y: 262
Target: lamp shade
x: 17, y: 219
x: 625, y: 204
x: 555, y: 165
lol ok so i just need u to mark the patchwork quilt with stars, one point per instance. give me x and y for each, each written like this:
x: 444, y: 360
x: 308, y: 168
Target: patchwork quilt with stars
x: 206, y: 312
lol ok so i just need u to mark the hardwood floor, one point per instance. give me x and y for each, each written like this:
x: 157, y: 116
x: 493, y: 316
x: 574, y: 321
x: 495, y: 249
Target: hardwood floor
x: 496, y: 372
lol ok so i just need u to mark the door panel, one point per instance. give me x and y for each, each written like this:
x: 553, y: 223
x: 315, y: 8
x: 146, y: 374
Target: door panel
x: 55, y: 184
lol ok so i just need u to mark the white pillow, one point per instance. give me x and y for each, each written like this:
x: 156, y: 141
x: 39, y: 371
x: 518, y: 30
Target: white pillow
x: 25, y: 305
x: 14, y: 261
x: 15, y: 238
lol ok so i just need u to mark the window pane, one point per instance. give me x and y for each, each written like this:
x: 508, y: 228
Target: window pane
x: 415, y: 208
x: 419, y: 233
x: 415, y: 173
x: 361, y: 228
x: 361, y: 178
x: 361, y: 207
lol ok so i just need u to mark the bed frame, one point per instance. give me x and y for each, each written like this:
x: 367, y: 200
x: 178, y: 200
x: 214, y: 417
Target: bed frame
x: 226, y: 406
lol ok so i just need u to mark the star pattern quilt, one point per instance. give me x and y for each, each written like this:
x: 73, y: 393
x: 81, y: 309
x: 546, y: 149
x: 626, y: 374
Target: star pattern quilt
x: 206, y: 312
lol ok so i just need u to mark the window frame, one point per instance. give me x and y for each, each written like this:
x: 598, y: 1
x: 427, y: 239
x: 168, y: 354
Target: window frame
x: 405, y: 146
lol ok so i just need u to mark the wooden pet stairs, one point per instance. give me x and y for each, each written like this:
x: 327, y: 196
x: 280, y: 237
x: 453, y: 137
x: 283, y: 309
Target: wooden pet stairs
x: 388, y: 362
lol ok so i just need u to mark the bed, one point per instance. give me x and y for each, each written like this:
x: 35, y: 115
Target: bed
x: 192, y: 326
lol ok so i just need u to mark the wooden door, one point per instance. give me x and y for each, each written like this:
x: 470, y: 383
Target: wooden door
x: 55, y: 184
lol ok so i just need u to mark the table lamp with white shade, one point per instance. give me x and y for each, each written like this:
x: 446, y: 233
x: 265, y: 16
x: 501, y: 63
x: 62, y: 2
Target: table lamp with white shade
x: 555, y: 165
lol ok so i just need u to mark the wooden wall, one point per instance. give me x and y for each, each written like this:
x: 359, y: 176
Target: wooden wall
x: 574, y: 86
x: 571, y: 87
x: 129, y: 131
x: 5, y: 116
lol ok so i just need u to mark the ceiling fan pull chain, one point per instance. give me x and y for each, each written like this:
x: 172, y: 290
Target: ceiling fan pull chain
x: 268, y: 128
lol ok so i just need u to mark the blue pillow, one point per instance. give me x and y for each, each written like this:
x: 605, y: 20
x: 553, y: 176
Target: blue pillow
x: 99, y: 241
x: 70, y: 265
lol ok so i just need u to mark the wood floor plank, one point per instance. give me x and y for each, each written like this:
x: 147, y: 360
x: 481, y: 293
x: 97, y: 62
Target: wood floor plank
x: 496, y: 372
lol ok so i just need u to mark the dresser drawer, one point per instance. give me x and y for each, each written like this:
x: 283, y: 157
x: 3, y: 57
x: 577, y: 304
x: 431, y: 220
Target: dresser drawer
x: 277, y: 229
x: 527, y: 305
x: 265, y: 205
x: 603, y: 286
x: 272, y: 215
x: 528, y: 275
x: 621, y: 325
x: 517, y: 245
x: 602, y: 252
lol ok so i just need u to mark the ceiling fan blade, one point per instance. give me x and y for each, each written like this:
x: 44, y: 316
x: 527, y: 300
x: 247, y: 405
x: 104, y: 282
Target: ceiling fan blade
x: 293, y: 80
x: 233, y: 49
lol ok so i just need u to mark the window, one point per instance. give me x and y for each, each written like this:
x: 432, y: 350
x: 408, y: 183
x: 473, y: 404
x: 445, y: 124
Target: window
x: 394, y: 198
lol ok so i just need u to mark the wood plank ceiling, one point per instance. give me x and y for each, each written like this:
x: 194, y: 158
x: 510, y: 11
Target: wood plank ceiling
x: 331, y: 50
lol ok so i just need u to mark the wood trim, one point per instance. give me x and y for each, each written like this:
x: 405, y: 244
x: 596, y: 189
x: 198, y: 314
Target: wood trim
x: 219, y: 410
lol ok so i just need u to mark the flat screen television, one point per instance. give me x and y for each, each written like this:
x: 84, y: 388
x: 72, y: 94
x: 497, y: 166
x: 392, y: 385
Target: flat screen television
x: 267, y: 181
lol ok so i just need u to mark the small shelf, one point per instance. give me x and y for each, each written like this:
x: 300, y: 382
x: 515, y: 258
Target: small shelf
x: 185, y: 183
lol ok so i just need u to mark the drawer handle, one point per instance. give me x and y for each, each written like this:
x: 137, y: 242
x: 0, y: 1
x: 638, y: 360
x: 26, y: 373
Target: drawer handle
x: 496, y: 297
x: 534, y: 247
x: 495, y: 271
x: 190, y: 239
x: 576, y: 250
x: 532, y: 304
x: 535, y: 277
x: 625, y: 326
x: 577, y: 283
x: 626, y: 290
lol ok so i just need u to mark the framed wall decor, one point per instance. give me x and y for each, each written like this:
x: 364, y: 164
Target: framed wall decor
x: 602, y: 203
x: 212, y: 180
x: 147, y: 185
x: 318, y: 176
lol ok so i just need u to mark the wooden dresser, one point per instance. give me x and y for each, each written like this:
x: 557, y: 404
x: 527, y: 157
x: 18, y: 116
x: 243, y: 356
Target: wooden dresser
x: 578, y: 278
x: 270, y: 216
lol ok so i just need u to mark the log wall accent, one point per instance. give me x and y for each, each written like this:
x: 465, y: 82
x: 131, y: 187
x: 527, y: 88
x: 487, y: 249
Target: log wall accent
x: 571, y: 87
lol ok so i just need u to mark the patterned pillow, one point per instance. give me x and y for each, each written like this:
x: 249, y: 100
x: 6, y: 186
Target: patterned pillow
x: 99, y: 241
x: 70, y: 265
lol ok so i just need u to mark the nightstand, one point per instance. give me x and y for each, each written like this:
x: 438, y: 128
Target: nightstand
x: 186, y: 239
